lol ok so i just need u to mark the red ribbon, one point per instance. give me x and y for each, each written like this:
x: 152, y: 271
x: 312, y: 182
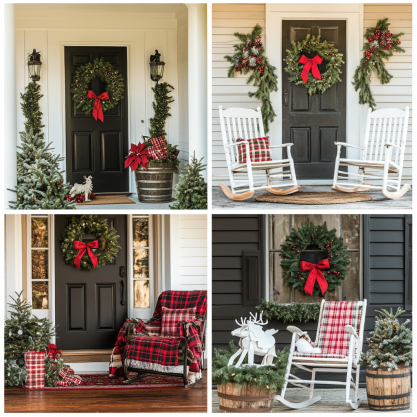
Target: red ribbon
x: 97, y: 109
x: 310, y: 63
x: 315, y: 274
x: 83, y: 247
x: 52, y: 351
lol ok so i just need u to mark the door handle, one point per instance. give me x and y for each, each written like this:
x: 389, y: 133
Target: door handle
x: 122, y: 290
x: 286, y: 98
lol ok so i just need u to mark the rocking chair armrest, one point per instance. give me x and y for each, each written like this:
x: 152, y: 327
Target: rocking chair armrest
x: 287, y: 145
x: 351, y: 331
x: 348, y: 144
x: 237, y: 143
x: 391, y: 144
x: 294, y: 329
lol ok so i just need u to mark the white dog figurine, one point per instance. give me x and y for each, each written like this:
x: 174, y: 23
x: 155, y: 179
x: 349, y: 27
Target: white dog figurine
x: 303, y: 343
x: 86, y: 188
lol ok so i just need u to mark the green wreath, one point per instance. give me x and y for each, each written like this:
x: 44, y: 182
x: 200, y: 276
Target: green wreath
x: 85, y: 74
x: 298, y: 241
x: 107, y: 239
x: 327, y: 52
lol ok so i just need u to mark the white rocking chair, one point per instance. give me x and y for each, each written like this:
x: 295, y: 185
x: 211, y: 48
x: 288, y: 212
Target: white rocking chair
x: 384, y: 148
x: 246, y: 124
x: 340, y: 338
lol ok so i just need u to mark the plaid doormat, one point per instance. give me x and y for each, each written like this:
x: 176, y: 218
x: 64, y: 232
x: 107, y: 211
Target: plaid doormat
x: 103, y: 381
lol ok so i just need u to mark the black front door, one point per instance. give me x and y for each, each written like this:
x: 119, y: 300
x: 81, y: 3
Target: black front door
x: 93, y: 147
x: 313, y: 124
x: 88, y: 306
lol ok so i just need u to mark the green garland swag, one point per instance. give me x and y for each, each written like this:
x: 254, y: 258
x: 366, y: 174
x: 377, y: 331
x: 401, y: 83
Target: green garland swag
x: 86, y: 73
x: 380, y: 45
x: 298, y: 241
x: 329, y: 53
x: 290, y: 312
x: 97, y: 226
x: 249, y: 56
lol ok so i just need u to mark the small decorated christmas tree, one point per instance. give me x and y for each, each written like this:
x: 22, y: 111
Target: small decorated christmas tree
x: 390, y: 343
x: 191, y: 191
x: 22, y: 332
x: 40, y: 183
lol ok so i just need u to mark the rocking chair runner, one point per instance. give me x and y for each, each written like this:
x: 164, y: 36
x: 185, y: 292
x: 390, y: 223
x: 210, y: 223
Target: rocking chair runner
x: 240, y: 123
x: 384, y: 148
x: 340, y: 338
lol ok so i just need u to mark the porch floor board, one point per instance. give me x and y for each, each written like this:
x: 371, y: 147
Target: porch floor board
x: 173, y: 400
x: 220, y: 201
x: 332, y: 401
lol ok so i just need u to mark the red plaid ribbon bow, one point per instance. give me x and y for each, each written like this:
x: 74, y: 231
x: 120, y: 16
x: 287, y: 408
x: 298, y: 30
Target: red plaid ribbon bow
x: 158, y: 150
x: 69, y: 379
x: 315, y: 274
x: 310, y: 63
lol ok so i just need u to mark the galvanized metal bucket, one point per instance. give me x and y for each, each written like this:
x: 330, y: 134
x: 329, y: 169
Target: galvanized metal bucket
x: 154, y: 185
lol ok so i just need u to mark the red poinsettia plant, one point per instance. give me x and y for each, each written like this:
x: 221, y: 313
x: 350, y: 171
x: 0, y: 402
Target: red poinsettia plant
x: 138, y: 155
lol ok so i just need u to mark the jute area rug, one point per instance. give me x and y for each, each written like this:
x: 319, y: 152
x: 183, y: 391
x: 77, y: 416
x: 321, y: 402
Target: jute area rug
x: 314, y: 198
x: 107, y: 199
x: 103, y: 381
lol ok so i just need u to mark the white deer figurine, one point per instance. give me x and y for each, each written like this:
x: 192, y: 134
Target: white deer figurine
x: 86, y: 188
x: 254, y: 341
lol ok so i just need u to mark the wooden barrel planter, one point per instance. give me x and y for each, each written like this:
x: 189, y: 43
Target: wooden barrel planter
x: 388, y: 390
x: 154, y: 185
x: 247, y: 399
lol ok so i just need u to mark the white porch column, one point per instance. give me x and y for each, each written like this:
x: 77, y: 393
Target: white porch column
x: 197, y: 81
x: 10, y: 123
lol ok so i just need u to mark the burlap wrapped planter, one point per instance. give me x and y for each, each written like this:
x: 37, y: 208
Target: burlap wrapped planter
x: 154, y: 185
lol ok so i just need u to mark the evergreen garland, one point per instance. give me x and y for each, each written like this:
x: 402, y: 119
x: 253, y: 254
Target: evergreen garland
x: 298, y: 241
x: 380, y: 44
x: 161, y: 107
x: 267, y: 377
x: 97, y: 226
x: 191, y: 190
x: 22, y: 332
x: 83, y: 77
x: 329, y: 53
x: 249, y: 56
x: 390, y: 343
x: 40, y: 183
x: 290, y: 312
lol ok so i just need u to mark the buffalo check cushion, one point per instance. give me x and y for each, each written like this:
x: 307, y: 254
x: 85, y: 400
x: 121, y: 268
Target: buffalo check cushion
x: 158, y: 150
x: 258, y: 148
x: 171, y: 318
x: 35, y: 364
x: 332, y: 338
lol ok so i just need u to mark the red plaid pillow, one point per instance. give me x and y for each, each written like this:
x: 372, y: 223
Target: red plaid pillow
x: 35, y: 364
x: 258, y: 148
x: 171, y: 318
x: 158, y: 150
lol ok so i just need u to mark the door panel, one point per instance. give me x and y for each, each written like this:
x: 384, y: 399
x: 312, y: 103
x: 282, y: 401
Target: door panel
x: 88, y: 303
x: 93, y: 147
x: 314, y: 123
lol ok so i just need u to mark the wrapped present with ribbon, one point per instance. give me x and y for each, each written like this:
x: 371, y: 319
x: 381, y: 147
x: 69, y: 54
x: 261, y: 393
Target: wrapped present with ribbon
x: 315, y: 275
x: 35, y: 365
x: 67, y: 374
x: 86, y: 247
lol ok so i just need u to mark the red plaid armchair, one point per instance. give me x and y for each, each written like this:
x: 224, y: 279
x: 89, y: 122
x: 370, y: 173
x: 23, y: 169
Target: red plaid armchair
x: 141, y: 347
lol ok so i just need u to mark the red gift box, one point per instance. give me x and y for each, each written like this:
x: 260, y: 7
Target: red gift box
x: 35, y: 364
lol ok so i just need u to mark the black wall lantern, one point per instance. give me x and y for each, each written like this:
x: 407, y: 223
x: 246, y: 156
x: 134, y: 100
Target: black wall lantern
x: 34, y: 65
x: 157, y: 67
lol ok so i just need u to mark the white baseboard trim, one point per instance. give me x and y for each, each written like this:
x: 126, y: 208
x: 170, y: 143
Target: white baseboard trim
x: 90, y: 367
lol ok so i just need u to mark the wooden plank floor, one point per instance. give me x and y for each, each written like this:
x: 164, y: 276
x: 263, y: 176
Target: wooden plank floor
x: 332, y: 401
x: 173, y: 400
x: 220, y: 201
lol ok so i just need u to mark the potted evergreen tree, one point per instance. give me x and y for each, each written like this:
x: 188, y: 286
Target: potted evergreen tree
x: 388, y: 361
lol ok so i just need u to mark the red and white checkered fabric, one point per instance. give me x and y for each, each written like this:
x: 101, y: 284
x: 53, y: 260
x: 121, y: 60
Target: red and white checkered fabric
x: 258, y: 148
x: 69, y: 378
x: 332, y: 338
x: 35, y: 364
x: 171, y: 318
x: 158, y: 150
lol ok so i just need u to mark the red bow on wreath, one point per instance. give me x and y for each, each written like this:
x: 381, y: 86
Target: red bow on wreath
x: 310, y: 63
x: 83, y: 247
x: 138, y: 156
x: 315, y: 274
x: 97, y: 109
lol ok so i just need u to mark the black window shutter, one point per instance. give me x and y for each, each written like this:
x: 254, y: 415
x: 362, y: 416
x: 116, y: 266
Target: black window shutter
x: 252, y: 277
x: 408, y: 291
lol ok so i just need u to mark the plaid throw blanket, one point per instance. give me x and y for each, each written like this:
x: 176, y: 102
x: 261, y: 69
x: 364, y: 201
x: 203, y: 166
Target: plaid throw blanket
x: 148, y: 350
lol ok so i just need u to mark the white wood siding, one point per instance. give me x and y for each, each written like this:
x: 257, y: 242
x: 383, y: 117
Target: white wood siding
x: 398, y: 93
x: 188, y: 252
x: 228, y: 92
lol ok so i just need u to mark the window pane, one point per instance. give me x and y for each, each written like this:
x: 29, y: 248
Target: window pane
x: 39, y: 264
x: 140, y: 232
x: 40, y: 295
x: 140, y: 263
x: 39, y: 232
x: 141, y: 291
